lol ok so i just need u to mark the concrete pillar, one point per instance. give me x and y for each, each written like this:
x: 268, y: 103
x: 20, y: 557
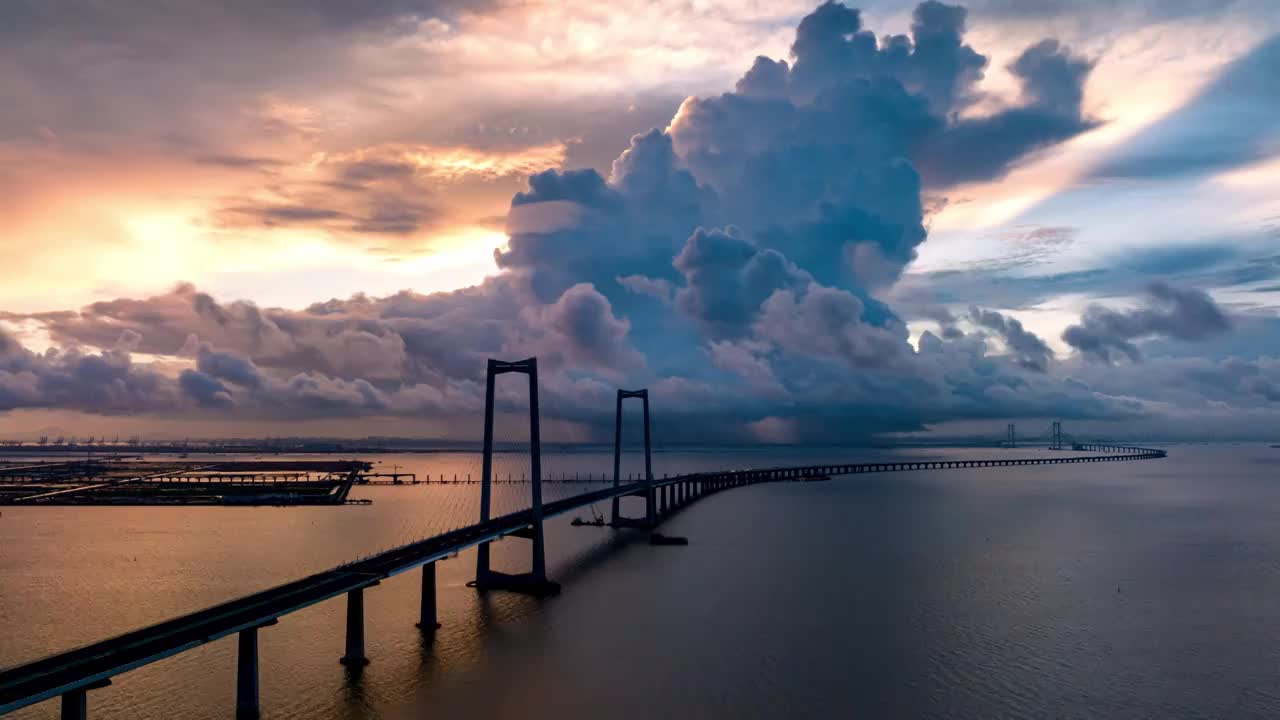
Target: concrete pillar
x: 427, y: 610
x: 535, y: 462
x: 617, y: 454
x: 651, y: 514
x: 486, y: 471
x: 75, y: 705
x: 536, y: 580
x: 247, y: 707
x: 354, y: 656
x: 650, y: 492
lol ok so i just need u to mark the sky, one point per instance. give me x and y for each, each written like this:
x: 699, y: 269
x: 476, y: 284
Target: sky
x: 793, y: 223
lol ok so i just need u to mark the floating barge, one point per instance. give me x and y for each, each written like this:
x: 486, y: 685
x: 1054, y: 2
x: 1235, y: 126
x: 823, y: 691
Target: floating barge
x: 140, y: 482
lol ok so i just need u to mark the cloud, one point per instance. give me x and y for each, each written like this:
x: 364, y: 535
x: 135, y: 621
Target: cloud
x: 984, y: 148
x: 1193, y: 384
x: 219, y: 364
x: 828, y: 323
x: 106, y: 382
x: 727, y: 279
x: 1187, y: 314
x: 729, y: 261
x: 1102, y: 10
x: 1024, y: 277
x: 382, y: 190
x: 1031, y: 352
x: 582, y: 332
x: 641, y: 285
x: 130, y: 75
x: 205, y: 389
x: 1231, y: 123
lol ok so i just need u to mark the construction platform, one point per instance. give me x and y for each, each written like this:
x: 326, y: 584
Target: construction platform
x: 140, y: 482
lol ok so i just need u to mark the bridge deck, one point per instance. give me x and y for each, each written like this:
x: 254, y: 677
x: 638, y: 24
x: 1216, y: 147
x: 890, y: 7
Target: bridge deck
x: 81, y: 667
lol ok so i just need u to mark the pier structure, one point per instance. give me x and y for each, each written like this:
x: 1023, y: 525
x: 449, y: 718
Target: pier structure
x: 535, y: 581
x: 650, y: 514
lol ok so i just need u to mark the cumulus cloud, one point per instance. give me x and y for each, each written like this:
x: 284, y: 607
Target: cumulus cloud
x: 1031, y: 352
x: 581, y: 331
x: 829, y: 323
x: 727, y: 261
x: 727, y: 279
x: 982, y: 148
x: 106, y: 382
x: 1104, y: 335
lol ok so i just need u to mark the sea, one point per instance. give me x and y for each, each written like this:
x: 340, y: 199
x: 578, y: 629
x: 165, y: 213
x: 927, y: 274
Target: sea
x: 1144, y: 589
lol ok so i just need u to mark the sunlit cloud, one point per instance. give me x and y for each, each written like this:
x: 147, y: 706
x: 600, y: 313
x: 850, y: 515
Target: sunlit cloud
x: 451, y: 164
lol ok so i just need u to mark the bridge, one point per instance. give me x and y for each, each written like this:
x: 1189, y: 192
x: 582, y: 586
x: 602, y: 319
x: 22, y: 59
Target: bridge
x: 71, y: 675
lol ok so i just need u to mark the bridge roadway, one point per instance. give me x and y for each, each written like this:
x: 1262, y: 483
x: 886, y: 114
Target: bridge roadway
x: 75, y: 671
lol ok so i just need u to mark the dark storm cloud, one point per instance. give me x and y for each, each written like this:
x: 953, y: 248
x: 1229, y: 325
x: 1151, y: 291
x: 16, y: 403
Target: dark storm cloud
x: 583, y: 330
x: 1052, y: 93
x: 1187, y: 314
x: 1030, y: 351
x: 228, y: 366
x: 205, y: 389
x: 824, y: 159
x: 728, y: 279
x: 575, y: 226
x: 830, y: 324
x: 832, y: 48
x: 106, y: 382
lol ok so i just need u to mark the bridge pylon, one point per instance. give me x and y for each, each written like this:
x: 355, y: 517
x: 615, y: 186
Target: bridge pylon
x: 535, y: 581
x: 650, y: 519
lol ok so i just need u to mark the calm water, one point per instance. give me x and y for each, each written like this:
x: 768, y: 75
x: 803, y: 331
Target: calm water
x: 1125, y: 590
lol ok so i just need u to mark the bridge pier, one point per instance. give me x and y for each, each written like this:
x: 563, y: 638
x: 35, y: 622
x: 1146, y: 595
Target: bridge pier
x: 650, y: 495
x: 75, y: 703
x: 427, y: 609
x: 534, y: 582
x: 354, y: 656
x: 247, y: 701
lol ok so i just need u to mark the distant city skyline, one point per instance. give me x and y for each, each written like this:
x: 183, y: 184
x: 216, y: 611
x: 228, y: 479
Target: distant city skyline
x: 793, y: 223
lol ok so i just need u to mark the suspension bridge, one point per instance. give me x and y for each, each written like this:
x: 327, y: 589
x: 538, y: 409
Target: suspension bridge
x: 71, y: 675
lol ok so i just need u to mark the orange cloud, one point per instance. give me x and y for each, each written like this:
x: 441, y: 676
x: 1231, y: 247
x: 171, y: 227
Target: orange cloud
x: 455, y: 163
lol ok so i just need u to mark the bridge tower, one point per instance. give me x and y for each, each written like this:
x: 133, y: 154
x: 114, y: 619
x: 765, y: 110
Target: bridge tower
x: 1056, y: 441
x: 535, y: 581
x: 650, y: 518
x: 1012, y: 440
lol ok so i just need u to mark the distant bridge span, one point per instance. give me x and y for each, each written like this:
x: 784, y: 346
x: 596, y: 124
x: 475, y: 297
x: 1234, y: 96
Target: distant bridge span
x: 73, y: 673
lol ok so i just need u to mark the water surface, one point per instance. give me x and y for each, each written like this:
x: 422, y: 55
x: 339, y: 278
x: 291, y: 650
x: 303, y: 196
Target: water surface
x: 1128, y: 590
